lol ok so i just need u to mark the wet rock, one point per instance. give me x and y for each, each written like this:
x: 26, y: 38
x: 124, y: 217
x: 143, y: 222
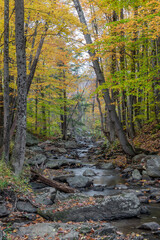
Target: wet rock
x: 136, y: 175
x: 26, y: 206
x: 31, y: 140
x: 153, y: 165
x: 107, y: 166
x: 79, y: 182
x: 37, y: 160
x: 114, y: 207
x: 89, y: 173
x: 153, y: 226
x: 3, y: 211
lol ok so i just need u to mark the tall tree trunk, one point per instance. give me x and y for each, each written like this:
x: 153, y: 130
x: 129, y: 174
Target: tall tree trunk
x: 100, y: 77
x: 20, y: 138
x: 1, y: 112
x: 6, y: 83
x: 122, y: 68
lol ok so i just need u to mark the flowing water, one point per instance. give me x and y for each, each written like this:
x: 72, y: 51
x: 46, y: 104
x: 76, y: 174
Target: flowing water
x: 105, y: 183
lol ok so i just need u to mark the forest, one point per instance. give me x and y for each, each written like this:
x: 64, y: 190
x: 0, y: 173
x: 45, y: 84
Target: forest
x: 79, y: 113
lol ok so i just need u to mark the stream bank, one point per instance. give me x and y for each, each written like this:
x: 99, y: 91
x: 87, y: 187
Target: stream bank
x: 77, y: 164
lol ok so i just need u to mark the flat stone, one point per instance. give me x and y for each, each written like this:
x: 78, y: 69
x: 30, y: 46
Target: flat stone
x: 153, y: 226
x: 26, y: 206
x: 113, y: 207
x: 64, y: 231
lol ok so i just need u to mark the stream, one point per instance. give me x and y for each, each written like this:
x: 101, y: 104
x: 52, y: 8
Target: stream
x: 108, y: 183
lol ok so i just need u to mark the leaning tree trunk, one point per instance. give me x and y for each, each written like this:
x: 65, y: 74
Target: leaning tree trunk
x: 100, y: 77
x: 20, y: 138
x: 6, y: 82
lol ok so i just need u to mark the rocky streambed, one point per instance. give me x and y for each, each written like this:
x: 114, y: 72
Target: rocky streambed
x: 110, y: 202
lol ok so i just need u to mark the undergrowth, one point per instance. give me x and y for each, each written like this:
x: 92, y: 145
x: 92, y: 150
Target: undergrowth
x: 9, y: 180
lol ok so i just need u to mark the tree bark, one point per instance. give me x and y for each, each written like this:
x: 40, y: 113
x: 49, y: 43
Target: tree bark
x: 1, y: 112
x: 20, y: 138
x: 6, y: 83
x: 100, y: 77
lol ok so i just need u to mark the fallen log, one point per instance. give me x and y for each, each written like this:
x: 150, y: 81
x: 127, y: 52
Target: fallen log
x: 52, y: 183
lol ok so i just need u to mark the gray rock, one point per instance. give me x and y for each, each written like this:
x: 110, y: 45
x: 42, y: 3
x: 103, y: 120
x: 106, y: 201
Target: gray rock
x: 36, y: 149
x: 153, y: 165
x: 107, y: 166
x: 136, y: 175
x: 36, y: 185
x: 57, y: 163
x: 89, y: 173
x: 37, y: 160
x: 139, y: 158
x: 31, y: 140
x: 64, y: 231
x: 113, y: 207
x: 153, y: 226
x: 79, y: 182
x: 26, y: 206
x: 3, y: 210
x: 46, y: 196
x: 71, y: 144
x: 106, y: 229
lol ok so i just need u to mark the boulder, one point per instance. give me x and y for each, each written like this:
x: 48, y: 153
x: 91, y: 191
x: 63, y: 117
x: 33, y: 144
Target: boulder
x: 153, y: 226
x: 109, y: 208
x: 3, y: 210
x: 64, y: 231
x: 79, y: 182
x: 37, y: 160
x: 136, y: 175
x: 153, y: 165
x: 26, y: 206
x: 31, y: 140
x: 89, y: 173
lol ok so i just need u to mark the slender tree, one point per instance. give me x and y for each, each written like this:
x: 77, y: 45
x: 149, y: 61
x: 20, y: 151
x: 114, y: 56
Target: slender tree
x: 20, y: 138
x: 6, y: 82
